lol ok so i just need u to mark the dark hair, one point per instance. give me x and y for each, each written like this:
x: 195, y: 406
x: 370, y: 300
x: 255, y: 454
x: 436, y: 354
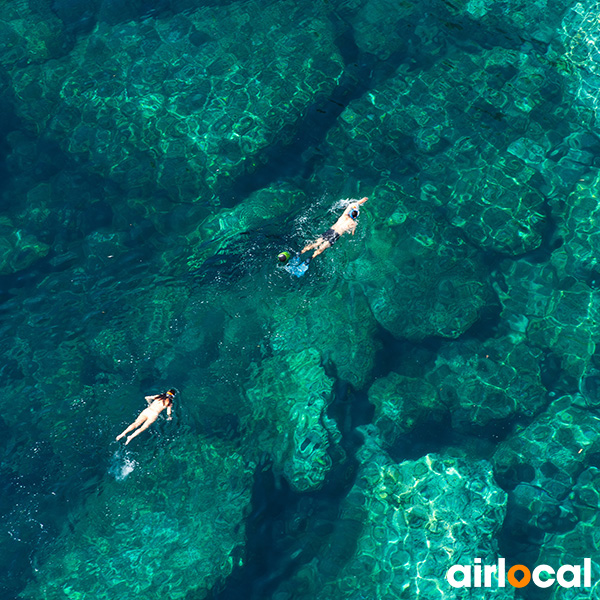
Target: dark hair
x: 164, y: 396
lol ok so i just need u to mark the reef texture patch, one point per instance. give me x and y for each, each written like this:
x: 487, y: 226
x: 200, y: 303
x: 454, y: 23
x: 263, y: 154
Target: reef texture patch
x: 135, y: 537
x: 178, y: 107
x: 289, y: 397
x: 415, y: 520
x: 156, y: 157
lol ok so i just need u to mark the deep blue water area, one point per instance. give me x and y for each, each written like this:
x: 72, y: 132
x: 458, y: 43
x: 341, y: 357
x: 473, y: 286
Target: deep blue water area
x: 425, y: 395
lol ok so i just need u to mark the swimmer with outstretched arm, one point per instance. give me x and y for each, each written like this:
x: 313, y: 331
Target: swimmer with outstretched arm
x: 156, y: 405
x: 345, y: 224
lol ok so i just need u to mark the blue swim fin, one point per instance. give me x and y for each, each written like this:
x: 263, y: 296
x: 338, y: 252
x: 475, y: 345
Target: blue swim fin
x: 297, y: 267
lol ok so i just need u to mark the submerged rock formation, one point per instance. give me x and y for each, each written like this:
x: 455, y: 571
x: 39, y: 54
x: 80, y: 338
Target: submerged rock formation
x: 172, y: 527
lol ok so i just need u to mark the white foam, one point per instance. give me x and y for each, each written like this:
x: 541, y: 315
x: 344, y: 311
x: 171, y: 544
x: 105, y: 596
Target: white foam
x: 121, y: 466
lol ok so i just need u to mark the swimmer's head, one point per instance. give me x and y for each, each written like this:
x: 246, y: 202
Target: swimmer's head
x: 353, y: 211
x: 283, y: 257
x: 169, y: 395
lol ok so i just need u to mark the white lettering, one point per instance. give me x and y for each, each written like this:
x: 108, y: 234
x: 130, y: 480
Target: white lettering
x: 575, y: 581
x: 543, y: 576
x: 587, y: 572
x: 466, y: 580
x: 489, y: 570
x: 538, y: 580
x: 477, y: 573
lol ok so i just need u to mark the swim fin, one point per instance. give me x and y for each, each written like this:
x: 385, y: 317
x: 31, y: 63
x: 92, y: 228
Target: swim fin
x: 297, y: 267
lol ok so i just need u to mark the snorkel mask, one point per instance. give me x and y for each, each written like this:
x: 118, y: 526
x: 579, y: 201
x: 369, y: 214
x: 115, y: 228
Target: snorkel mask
x: 353, y: 212
x: 284, y: 257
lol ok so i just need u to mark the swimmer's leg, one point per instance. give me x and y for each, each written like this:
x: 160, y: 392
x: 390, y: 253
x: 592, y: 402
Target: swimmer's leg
x: 321, y: 249
x: 142, y: 428
x: 314, y: 244
x: 135, y: 424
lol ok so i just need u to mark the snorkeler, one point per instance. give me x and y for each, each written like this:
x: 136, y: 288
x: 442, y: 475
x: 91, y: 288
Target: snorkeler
x: 345, y: 224
x: 156, y: 405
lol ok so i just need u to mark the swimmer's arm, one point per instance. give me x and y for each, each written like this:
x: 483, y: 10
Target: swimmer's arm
x: 169, y: 411
x: 149, y: 399
x: 362, y: 200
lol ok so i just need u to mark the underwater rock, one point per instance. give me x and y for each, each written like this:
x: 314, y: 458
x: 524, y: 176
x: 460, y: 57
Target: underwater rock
x: 270, y: 206
x: 469, y: 139
x: 179, y: 107
x: 580, y: 540
x: 580, y: 59
x: 18, y: 249
x: 403, y: 404
x: 476, y: 385
x: 553, y: 312
x: 534, y: 21
x: 485, y: 383
x: 220, y: 342
x: 418, y: 518
x: 147, y: 332
x: 336, y: 322
x: 172, y: 528
x: 542, y: 462
x: 420, y: 279
x: 29, y: 32
x: 377, y: 25
x: 585, y: 496
x: 289, y: 397
x: 578, y: 226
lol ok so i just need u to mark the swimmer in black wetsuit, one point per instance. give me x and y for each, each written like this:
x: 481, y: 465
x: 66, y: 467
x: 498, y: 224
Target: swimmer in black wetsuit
x: 345, y: 224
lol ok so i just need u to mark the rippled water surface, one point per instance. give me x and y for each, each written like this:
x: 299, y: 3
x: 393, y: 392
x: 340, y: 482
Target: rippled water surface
x: 426, y: 394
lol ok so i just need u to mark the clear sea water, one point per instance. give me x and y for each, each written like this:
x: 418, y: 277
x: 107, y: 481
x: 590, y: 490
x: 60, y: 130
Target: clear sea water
x: 157, y: 155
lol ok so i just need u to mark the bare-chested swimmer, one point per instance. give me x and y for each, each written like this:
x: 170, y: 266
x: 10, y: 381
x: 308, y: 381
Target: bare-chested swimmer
x: 156, y: 405
x: 345, y: 224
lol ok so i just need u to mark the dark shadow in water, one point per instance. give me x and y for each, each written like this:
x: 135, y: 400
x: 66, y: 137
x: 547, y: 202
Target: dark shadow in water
x: 287, y: 529
x: 81, y: 16
x: 298, y: 158
x: 427, y: 437
x: 8, y: 122
x: 519, y: 543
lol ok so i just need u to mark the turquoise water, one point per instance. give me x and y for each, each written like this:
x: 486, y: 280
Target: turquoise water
x: 426, y: 394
